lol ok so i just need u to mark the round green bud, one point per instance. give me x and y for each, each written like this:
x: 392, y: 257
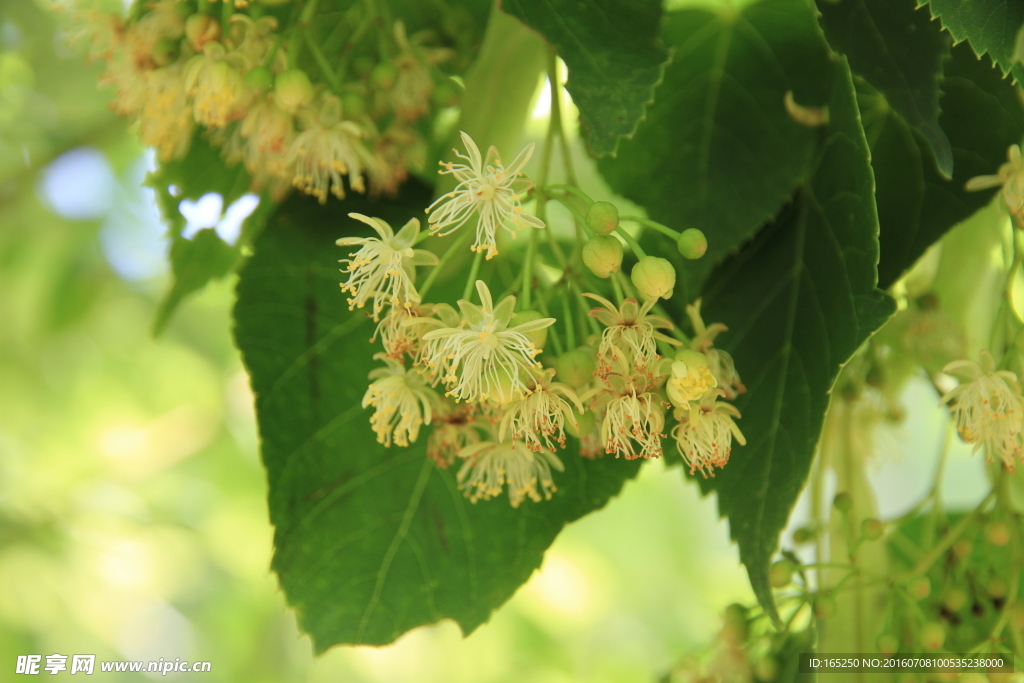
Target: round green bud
x: 260, y: 79
x: 603, y: 217
x: 781, y: 573
x: 997, y: 533
x: 997, y: 587
x: 803, y: 535
x: 928, y: 302
x: 603, y: 255
x: 843, y: 502
x: 692, y: 243
x: 200, y: 29
x: 576, y: 367
x: 353, y: 105
x: 919, y: 588
x: 538, y: 337
x: 166, y: 51
x: 767, y: 669
x: 887, y: 644
x: 736, y: 624
x: 954, y: 598
x: 654, y: 278
x: 932, y: 636
x: 585, y: 424
x: 292, y: 90
x: 963, y: 548
x: 825, y: 606
x: 384, y: 75
x: 871, y: 529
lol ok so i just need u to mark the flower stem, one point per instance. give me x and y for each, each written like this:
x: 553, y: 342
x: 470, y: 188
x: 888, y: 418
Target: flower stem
x: 556, y: 115
x: 467, y: 291
x: 321, y: 60
x: 570, y: 328
x: 951, y: 536
x: 455, y: 246
x: 527, y: 284
x: 572, y: 189
x: 648, y: 223
x: 631, y: 241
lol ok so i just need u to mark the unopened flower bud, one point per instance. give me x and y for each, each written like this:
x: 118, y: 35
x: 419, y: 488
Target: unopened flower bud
x: 933, y: 635
x: 803, y: 535
x: 954, y: 599
x: 919, y: 588
x: 353, y: 105
x: 538, y: 337
x: 603, y: 217
x: 842, y: 502
x: 260, y: 79
x: 603, y: 255
x: 165, y: 51
x: 292, y: 90
x: 446, y: 94
x: 654, y: 278
x: 576, y: 367
x: 200, y: 29
x: 825, y: 606
x: 888, y: 644
x: 692, y: 243
x: 997, y: 533
x: 781, y: 573
x: 997, y: 587
x: 871, y: 529
x: 736, y: 622
x: 384, y: 75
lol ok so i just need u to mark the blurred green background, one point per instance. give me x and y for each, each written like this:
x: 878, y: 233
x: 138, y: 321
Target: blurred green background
x: 132, y: 515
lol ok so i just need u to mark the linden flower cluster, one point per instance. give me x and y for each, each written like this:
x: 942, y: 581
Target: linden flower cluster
x: 988, y: 408
x: 491, y: 376
x: 245, y: 80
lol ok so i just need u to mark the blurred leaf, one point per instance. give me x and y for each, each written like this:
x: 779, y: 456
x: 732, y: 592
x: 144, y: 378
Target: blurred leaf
x: 369, y: 541
x: 991, y: 27
x: 899, y: 50
x: 718, y: 150
x: 614, y: 59
x: 798, y: 301
x: 983, y: 115
x: 196, y: 262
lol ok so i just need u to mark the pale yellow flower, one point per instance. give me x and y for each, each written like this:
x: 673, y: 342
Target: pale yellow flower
x: 402, y: 401
x: 691, y: 378
x: 705, y: 433
x: 538, y: 418
x: 633, y: 421
x: 487, y: 189
x: 630, y: 335
x: 215, y: 82
x: 383, y: 270
x: 327, y: 150
x: 988, y: 408
x: 454, y: 429
x: 1010, y: 177
x: 486, y: 359
x: 490, y: 466
x: 720, y: 362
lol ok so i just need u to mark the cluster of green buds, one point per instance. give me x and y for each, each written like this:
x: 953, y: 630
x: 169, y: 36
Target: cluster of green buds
x: 503, y: 381
x: 299, y: 102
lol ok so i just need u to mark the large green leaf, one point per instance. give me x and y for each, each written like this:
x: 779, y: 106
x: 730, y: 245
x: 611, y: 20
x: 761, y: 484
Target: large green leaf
x: 983, y: 115
x: 718, y: 150
x: 197, y: 261
x: 899, y: 50
x: 612, y: 52
x: 371, y: 542
x: 990, y: 26
x: 798, y: 301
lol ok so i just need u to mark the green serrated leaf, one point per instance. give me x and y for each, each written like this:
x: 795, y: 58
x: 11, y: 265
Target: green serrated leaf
x: 798, y: 301
x: 991, y: 27
x: 196, y: 262
x: 718, y: 150
x: 614, y: 59
x: 370, y: 541
x: 899, y: 50
x: 983, y: 115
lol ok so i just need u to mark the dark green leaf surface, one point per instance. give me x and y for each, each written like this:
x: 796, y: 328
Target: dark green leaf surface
x: 899, y: 50
x: 197, y: 261
x: 612, y: 52
x: 718, y: 150
x: 798, y: 301
x: 371, y: 542
x: 983, y: 115
x: 990, y: 26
